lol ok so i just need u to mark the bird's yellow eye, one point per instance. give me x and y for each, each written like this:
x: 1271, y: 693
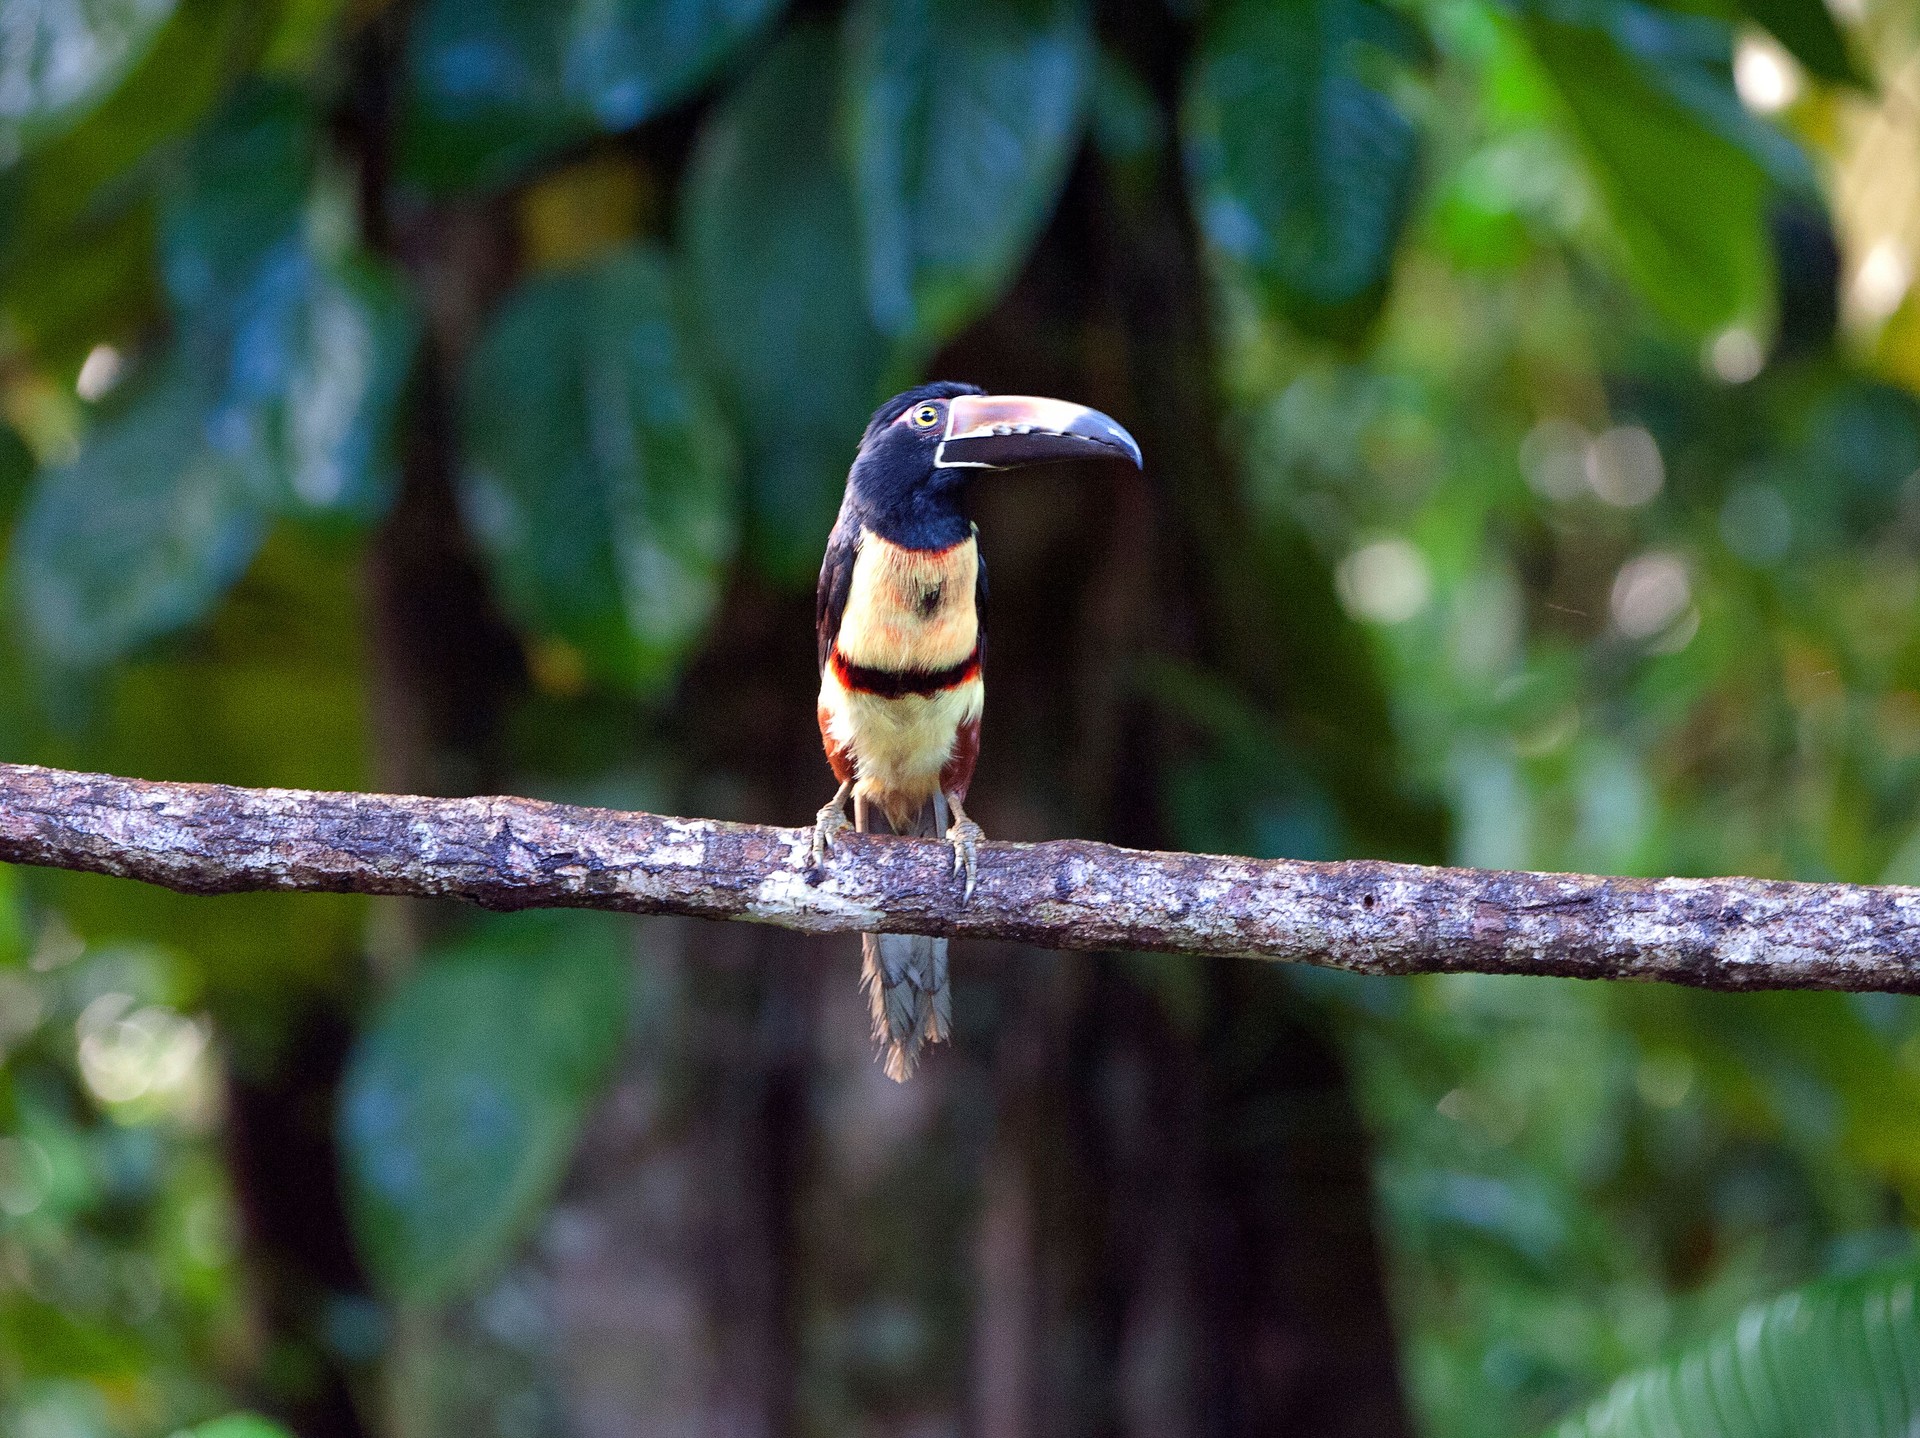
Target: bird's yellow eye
x: 927, y: 416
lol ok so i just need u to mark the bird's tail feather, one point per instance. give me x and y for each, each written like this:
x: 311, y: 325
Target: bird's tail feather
x: 905, y: 976
x: 906, y: 981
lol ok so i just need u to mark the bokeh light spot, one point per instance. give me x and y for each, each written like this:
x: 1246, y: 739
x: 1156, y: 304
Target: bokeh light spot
x: 1386, y: 582
x: 1650, y: 592
x: 1624, y: 467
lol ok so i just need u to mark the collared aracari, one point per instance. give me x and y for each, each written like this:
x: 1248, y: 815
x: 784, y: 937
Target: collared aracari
x: 898, y: 618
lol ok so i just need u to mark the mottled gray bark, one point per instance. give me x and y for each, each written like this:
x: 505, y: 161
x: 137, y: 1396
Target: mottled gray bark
x: 1364, y: 916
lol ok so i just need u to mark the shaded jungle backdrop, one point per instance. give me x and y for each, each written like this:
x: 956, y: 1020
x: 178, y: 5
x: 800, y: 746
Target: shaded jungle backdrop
x: 454, y: 396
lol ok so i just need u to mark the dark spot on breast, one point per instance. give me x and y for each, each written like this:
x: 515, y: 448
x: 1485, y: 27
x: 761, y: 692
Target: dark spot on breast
x: 929, y: 599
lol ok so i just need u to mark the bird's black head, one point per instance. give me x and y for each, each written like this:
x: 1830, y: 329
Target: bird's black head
x: 922, y: 447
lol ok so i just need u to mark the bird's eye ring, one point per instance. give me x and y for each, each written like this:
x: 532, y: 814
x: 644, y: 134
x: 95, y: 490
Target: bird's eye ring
x: 926, y: 417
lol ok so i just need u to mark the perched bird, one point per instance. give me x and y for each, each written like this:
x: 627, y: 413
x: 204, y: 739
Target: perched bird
x: 898, y: 616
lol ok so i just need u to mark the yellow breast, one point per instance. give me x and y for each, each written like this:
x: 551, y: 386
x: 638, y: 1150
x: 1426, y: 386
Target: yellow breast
x: 910, y: 609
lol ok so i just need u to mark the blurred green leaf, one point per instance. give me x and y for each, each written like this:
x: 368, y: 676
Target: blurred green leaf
x: 61, y: 56
x: 315, y: 371
x: 238, y: 1425
x: 768, y: 216
x: 142, y: 532
x: 98, y: 284
x: 314, y: 341
x: 598, y: 474
x: 962, y: 119
x: 1807, y: 28
x: 305, y: 33
x: 198, y: 54
x: 1836, y: 1357
x: 1686, y: 171
x: 461, y: 1101
x: 76, y: 217
x: 496, y: 85
x: 278, y: 392
x: 241, y: 194
x: 1302, y: 164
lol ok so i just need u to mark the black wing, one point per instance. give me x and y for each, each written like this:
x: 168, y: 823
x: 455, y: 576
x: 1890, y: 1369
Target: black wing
x: 836, y: 578
x: 979, y: 593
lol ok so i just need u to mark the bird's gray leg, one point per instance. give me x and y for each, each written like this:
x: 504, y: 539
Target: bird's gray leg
x: 862, y: 815
x: 967, y: 838
x: 827, y: 825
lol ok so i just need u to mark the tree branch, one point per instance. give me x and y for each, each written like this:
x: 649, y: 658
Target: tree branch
x: 1364, y: 916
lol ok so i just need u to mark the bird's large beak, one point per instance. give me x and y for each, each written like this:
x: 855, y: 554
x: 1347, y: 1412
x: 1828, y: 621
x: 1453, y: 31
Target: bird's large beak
x: 999, y: 431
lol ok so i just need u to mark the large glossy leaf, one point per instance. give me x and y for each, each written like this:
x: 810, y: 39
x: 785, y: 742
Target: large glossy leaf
x: 598, y: 474
x: 962, y: 118
x: 314, y: 374
x: 59, y: 57
x: 1303, y: 167
x: 494, y: 85
x: 770, y: 228
x: 277, y: 391
x: 76, y: 217
x: 1686, y: 171
x: 142, y: 532
x: 1840, y: 1358
x: 311, y: 341
x: 242, y: 193
x: 185, y: 73
x: 462, y: 1099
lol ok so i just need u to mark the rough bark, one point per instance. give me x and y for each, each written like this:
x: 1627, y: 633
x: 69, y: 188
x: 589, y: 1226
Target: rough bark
x: 1368, y: 917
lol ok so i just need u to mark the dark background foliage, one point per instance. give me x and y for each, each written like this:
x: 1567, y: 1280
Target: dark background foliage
x: 453, y: 396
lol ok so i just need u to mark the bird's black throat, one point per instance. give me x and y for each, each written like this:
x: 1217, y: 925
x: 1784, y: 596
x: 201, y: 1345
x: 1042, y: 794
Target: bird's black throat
x: 896, y: 491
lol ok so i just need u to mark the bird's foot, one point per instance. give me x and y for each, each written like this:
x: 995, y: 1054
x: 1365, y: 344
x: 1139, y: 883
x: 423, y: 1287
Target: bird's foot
x: 966, y: 837
x: 828, y: 825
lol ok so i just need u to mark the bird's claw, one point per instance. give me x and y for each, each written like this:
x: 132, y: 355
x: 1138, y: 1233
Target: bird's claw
x: 966, y: 837
x: 828, y: 825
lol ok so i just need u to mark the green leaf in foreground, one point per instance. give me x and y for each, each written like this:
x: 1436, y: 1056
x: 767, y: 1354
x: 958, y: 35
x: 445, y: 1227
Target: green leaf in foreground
x: 107, y: 161
x: 141, y: 533
x: 1302, y: 166
x: 60, y: 57
x: 1839, y: 1357
x: 278, y: 392
x: 310, y: 340
x: 462, y: 1100
x: 241, y: 194
x: 962, y: 119
x: 770, y: 220
x: 315, y: 364
x: 1686, y: 172
x: 496, y: 85
x: 598, y: 474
